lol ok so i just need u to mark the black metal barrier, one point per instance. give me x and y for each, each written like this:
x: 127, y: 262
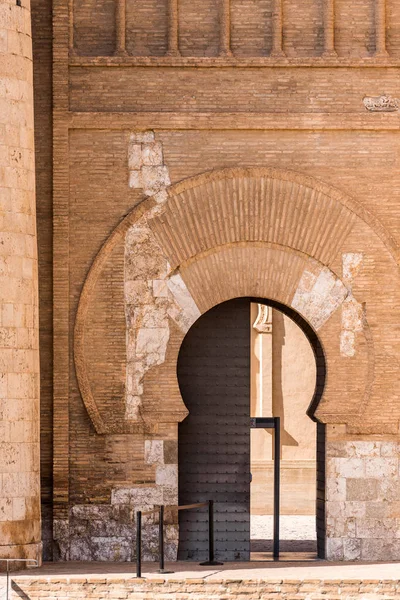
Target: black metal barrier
x: 275, y: 424
x: 161, y: 510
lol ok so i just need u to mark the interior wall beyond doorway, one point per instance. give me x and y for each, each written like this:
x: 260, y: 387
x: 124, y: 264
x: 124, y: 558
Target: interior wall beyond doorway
x: 283, y: 375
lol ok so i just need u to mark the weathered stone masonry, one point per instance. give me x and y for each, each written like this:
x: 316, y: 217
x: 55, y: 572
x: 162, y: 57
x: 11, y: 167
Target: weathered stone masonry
x: 20, y: 525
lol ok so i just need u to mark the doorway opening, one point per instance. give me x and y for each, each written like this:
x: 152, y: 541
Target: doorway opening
x: 245, y: 358
x: 283, y: 376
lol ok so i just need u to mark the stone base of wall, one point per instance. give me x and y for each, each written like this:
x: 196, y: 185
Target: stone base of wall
x: 362, y: 496
x: 32, y: 552
x: 100, y: 588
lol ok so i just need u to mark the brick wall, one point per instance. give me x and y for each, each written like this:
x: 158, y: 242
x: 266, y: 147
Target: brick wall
x: 201, y: 27
x: 301, y: 113
x: 42, y: 76
x: 96, y: 588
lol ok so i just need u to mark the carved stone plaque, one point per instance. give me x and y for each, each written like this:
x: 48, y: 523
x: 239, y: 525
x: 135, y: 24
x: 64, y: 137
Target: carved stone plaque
x: 381, y: 103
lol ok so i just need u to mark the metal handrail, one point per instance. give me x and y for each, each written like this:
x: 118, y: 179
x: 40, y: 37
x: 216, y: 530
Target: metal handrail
x: 14, y: 560
x: 161, y: 510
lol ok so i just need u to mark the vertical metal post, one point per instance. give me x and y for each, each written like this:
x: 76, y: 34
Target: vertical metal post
x: 161, y: 538
x: 139, y: 544
x: 211, y: 553
x: 161, y: 541
x: 211, y: 556
x: 277, y: 493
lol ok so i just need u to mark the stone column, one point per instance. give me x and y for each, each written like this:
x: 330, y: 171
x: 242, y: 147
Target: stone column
x: 20, y: 527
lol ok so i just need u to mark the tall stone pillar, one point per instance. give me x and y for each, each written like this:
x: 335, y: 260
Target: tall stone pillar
x: 20, y: 531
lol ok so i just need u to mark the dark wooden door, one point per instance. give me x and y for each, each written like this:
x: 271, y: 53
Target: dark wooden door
x: 214, y: 440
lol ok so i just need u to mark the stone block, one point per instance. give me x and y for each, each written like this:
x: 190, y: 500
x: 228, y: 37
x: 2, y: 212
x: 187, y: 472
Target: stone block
x: 151, y: 344
x: 160, y: 288
x: 362, y: 489
x: 381, y: 467
x: 120, y: 496
x: 161, y: 197
x: 146, y: 496
x: 349, y: 468
x: 334, y: 549
x: 374, y: 549
x: 170, y: 452
x: 142, y: 137
x: 374, y: 528
x: 390, y: 449
x: 135, y: 158
x: 3, y: 41
x: 345, y: 509
x: 336, y: 449
x: 154, y: 452
x: 3, y: 386
x: 336, y: 489
x: 136, y: 180
x: 6, y: 509
x: 363, y: 449
x: 347, y: 343
x: 167, y: 475
x: 80, y: 549
x: 154, y: 315
x: 154, y: 179
x: 352, y: 315
x: 18, y: 509
x: 152, y: 154
x: 388, y: 489
x: 377, y: 510
x: 352, y: 549
x: 392, y: 509
x: 137, y: 292
x: 170, y: 495
x: 352, y: 262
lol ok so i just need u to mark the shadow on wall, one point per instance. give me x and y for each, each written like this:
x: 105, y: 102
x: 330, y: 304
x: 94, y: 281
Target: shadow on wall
x: 278, y: 407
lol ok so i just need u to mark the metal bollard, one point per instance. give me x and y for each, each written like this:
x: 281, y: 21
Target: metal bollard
x: 211, y: 557
x: 277, y: 493
x: 161, y: 541
x: 139, y: 544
